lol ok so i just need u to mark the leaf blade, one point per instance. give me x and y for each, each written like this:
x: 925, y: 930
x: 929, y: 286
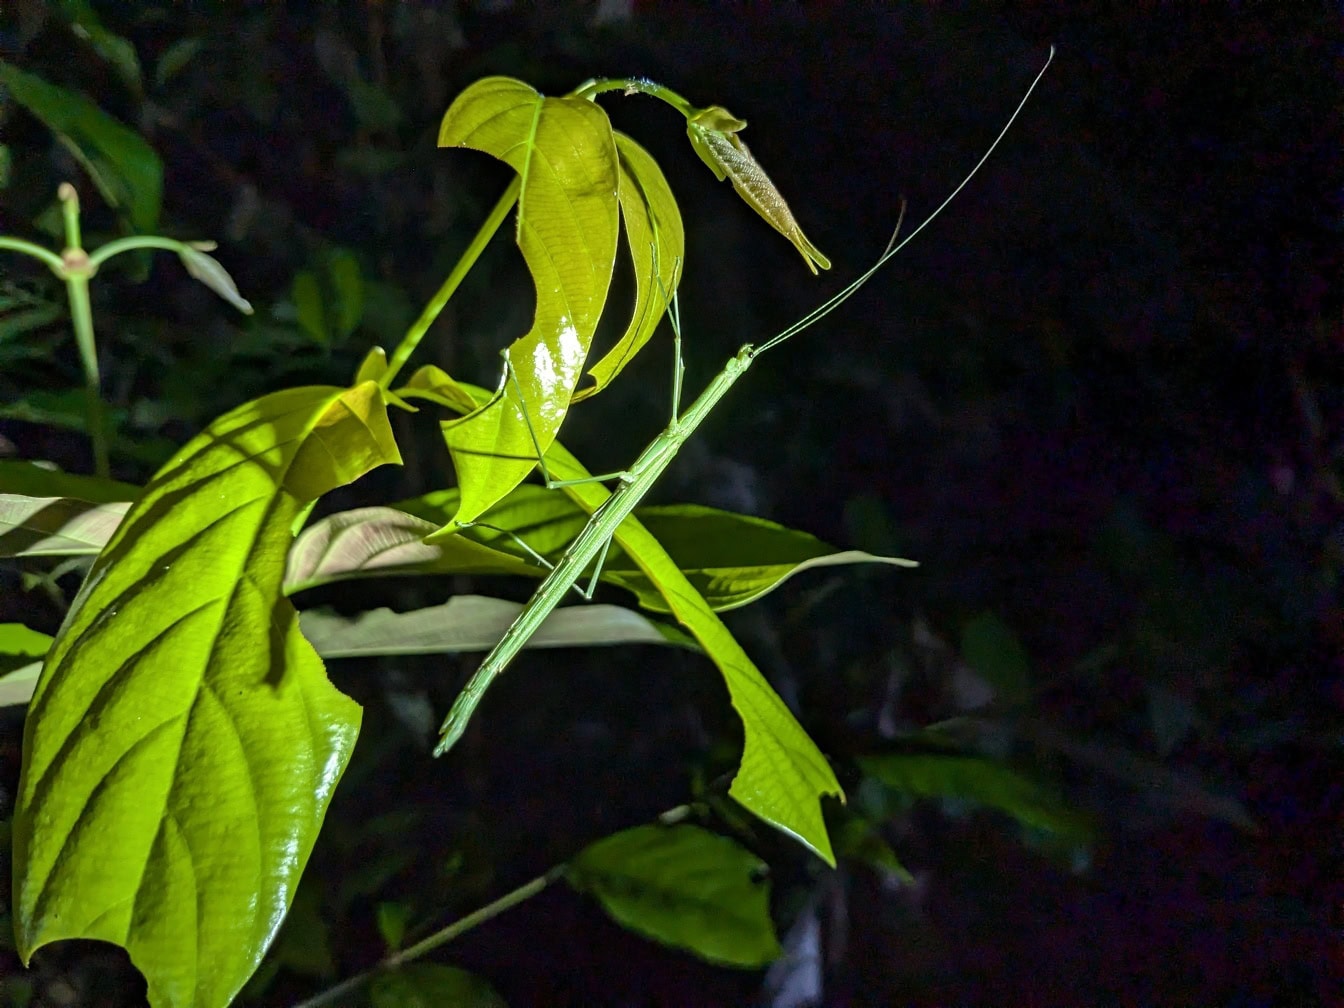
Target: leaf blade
x: 183, y: 740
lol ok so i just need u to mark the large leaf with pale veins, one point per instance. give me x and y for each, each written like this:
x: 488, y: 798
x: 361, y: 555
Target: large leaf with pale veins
x: 184, y: 741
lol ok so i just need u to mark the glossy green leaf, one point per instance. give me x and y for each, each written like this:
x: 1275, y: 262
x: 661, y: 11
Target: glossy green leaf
x: 475, y: 623
x: 685, y: 887
x: 56, y: 526
x: 122, y: 165
x: 713, y: 134
x: 657, y: 242
x: 783, y: 775
x: 979, y: 780
x: 184, y: 740
x: 429, y: 985
x: 565, y: 155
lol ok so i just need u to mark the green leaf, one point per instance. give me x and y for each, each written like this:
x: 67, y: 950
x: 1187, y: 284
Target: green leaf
x: 685, y: 887
x: 713, y: 133
x: 116, y: 51
x: 783, y: 775
x: 307, y: 297
x: 122, y: 165
x: 184, y: 740
x: 392, y: 919
x: 56, y: 526
x: 989, y: 646
x: 21, y: 651
x: 731, y: 559
x: 38, y: 480
x: 17, y: 687
x: 980, y: 780
x: 476, y: 623
x: 429, y: 985
x: 565, y: 156
x: 657, y: 242
x: 858, y: 840
x: 348, y: 290
x: 175, y: 58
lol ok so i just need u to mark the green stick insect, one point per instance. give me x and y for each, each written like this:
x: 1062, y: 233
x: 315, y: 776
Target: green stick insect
x: 595, y: 538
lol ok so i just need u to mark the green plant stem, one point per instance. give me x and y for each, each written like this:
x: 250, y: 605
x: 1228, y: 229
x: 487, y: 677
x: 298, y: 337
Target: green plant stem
x: 635, y: 85
x: 454, y: 930
x: 421, y: 325
x: 81, y: 313
x: 54, y: 261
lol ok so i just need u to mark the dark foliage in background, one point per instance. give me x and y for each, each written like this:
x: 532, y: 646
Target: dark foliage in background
x: 1101, y: 402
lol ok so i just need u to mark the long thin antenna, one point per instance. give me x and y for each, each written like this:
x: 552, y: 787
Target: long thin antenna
x: 820, y: 312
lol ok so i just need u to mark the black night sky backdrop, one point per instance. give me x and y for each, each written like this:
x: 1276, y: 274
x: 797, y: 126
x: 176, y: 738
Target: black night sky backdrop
x: 1101, y: 398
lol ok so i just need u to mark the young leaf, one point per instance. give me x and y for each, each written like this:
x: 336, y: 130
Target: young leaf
x: 653, y: 230
x: 207, y: 269
x: 565, y: 155
x: 685, y: 887
x: 184, y: 741
x: 713, y: 134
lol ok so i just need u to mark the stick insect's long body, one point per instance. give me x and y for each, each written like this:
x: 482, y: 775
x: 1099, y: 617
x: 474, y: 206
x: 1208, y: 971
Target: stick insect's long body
x: 634, y: 484
x: 652, y: 462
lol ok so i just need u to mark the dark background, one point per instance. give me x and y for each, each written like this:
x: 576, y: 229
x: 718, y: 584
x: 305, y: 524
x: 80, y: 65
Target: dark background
x: 1100, y: 399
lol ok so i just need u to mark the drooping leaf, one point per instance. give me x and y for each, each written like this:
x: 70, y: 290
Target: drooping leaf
x: 713, y: 133
x: 56, y: 526
x: 653, y: 230
x: 475, y: 623
x: 430, y: 985
x: 122, y: 165
x: 783, y: 775
x: 208, y: 270
x: 184, y: 740
x: 307, y: 298
x: 347, y: 288
x: 565, y: 156
x: 685, y: 887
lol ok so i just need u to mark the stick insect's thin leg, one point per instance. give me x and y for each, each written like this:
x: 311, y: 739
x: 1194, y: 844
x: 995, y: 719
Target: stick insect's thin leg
x: 678, y: 370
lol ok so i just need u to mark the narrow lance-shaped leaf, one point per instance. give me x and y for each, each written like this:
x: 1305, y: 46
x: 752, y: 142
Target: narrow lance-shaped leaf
x: 565, y: 155
x: 184, y: 741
